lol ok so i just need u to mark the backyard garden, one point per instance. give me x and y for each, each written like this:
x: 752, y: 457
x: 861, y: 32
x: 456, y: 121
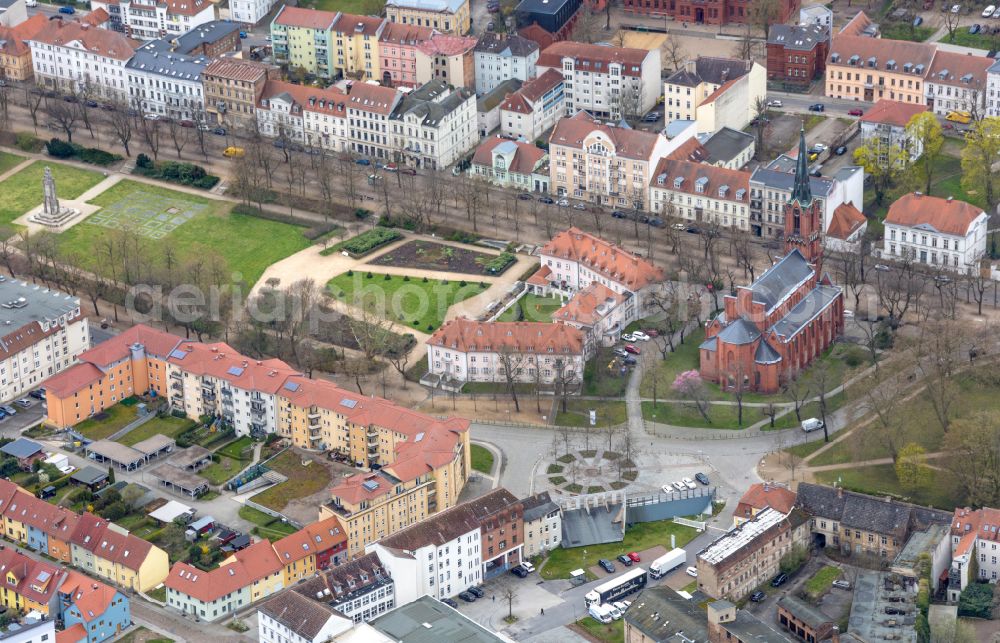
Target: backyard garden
x: 532, y: 308
x: 305, y: 477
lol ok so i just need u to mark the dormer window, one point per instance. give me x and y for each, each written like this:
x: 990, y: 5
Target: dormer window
x: 678, y: 182
x: 701, y: 184
x: 723, y: 190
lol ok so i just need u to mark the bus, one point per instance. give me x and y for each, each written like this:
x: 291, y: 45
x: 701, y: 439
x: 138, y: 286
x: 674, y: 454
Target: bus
x: 631, y: 581
x: 959, y: 117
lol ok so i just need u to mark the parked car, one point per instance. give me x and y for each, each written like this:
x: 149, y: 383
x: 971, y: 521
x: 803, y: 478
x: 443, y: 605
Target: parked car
x: 219, y: 131
x: 8, y: 409
x: 693, y: 229
x: 678, y: 226
x: 618, y: 214
x: 988, y: 11
x: 629, y: 348
x: 477, y: 591
x: 634, y: 556
x: 630, y: 361
x: 651, y: 117
x: 689, y: 483
x: 620, y: 352
x: 628, y: 337
x: 546, y: 200
x: 692, y: 571
x: 363, y: 162
x: 678, y: 485
x: 841, y: 150
x: 640, y: 336
x: 607, y: 565
x: 656, y: 222
x: 524, y: 196
x: 702, y: 478
x: 38, y: 394
x: 652, y: 332
x: 774, y: 103
x: 24, y: 403
x: 918, y: 21
x: 976, y: 28
x: 758, y: 596
x: 625, y: 560
x: 519, y: 572
x: 391, y: 167
x: 881, y: 267
x: 31, y: 3
x: 528, y: 567
x: 234, y: 152
x: 841, y: 584
x: 812, y: 424
x: 579, y: 206
x: 816, y: 107
x: 69, y: 11
x: 779, y: 580
x: 468, y: 597
x: 996, y: 14
x: 621, y: 606
x: 956, y: 8
x: 563, y: 203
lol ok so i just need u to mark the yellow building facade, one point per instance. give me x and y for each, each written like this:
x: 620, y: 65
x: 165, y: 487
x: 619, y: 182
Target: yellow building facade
x: 447, y: 16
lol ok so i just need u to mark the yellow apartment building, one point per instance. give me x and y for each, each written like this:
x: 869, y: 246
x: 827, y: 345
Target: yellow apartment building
x: 870, y: 69
x: 447, y: 16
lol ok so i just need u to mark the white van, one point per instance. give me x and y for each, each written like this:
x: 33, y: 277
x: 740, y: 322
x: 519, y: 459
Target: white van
x: 812, y: 424
x: 611, y: 609
x: 599, y: 613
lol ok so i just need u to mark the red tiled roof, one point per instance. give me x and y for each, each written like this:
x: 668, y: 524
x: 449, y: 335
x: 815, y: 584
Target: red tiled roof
x: 73, y: 379
x: 720, y: 91
x: 526, y: 158
x: 540, y: 276
x: 157, y: 343
x: 372, y: 98
x: 589, y: 305
x: 856, y: 25
x: 98, y: 42
x: 37, y: 580
x: 602, y: 257
x: 311, y: 99
x: 305, y: 18
x: 236, y: 69
x: 538, y: 35
x: 258, y: 560
x: 959, y: 70
x: 91, y: 597
x: 628, y: 143
x: 761, y: 495
x: 689, y: 150
x: 668, y: 170
x: 399, y: 34
x: 353, y: 24
x: 522, y: 100
x: 187, y: 7
x: 447, y: 45
x: 74, y: 634
x: 883, y: 49
x: 944, y: 215
x: 845, y: 221
x: 468, y: 335
x: 892, y: 112
x: 95, y: 18
x: 449, y: 524
x: 587, y: 56
x: 207, y: 586
x: 310, y: 540
x: 12, y: 38
x: 223, y: 362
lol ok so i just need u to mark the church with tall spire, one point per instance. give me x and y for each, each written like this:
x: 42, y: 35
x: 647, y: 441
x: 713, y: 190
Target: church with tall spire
x: 772, y: 329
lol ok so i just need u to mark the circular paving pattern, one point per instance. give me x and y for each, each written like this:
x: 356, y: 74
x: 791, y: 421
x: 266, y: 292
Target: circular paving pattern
x: 590, y: 471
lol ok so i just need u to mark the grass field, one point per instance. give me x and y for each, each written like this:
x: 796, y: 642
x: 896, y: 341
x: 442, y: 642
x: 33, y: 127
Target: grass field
x: 218, y: 472
x: 8, y: 160
x: 168, y: 426
x: 613, y: 632
x: 482, y: 458
x: 941, y: 490
x: 267, y: 527
x: 116, y: 418
x: 302, y: 481
x: 240, y: 449
x: 639, y: 537
x: 578, y: 413
x: 803, y: 450
x: 821, y: 581
x: 419, y: 304
x: 359, y: 7
x: 23, y: 191
x: 906, y: 31
x: 532, y: 308
x: 248, y: 244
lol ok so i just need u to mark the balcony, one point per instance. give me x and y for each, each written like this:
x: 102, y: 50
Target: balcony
x: 176, y: 375
x: 227, y: 393
x: 372, y: 450
x: 177, y: 386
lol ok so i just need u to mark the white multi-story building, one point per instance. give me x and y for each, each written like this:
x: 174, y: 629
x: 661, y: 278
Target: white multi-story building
x: 975, y: 543
x: 539, y: 352
x: 45, y: 331
x: 433, y: 126
x: 534, y: 109
x: 993, y: 90
x: 72, y: 56
x: 887, y: 122
x: 290, y: 617
x: 605, y: 81
x: 369, y: 109
x: 152, y: 19
x: 360, y: 589
x: 280, y: 111
x: 166, y: 83
x: 957, y: 82
x: 542, y: 524
x: 714, y: 92
x: 936, y: 232
x: 701, y: 193
x: 499, y: 57
x: 250, y: 12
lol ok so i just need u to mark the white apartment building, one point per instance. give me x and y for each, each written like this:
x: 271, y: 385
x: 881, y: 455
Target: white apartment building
x: 590, y: 160
x: 250, y: 12
x: 499, y: 57
x: 280, y: 111
x: 604, y: 81
x: 539, y: 352
x: 434, y: 126
x: 701, y: 193
x: 152, y: 19
x: 290, y: 617
x: 973, y: 536
x: 542, y: 524
x: 936, y: 232
x: 45, y: 331
x: 957, y: 82
x: 714, y: 92
x: 304, y: 115
x: 534, y: 109
x: 166, y: 83
x: 369, y: 108
x: 71, y: 56
x: 993, y: 90
x: 887, y: 122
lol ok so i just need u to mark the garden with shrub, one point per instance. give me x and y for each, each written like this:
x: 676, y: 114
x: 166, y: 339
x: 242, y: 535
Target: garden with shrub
x: 365, y: 242
x: 181, y: 173
x: 60, y: 149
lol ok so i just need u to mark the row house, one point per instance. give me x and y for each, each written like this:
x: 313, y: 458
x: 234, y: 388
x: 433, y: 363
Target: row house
x: 449, y: 59
x: 750, y: 554
x: 513, y: 164
x: 369, y: 109
x: 534, y: 108
x: 796, y: 54
x: 542, y: 524
x: 15, y: 54
x: 354, y: 46
x: 869, y: 69
x: 607, y: 82
x: 397, y: 48
x: 152, y: 19
x: 360, y: 589
x: 541, y: 353
x: 301, y: 38
x: 701, y: 193
x: 716, y: 13
x: 446, y: 16
x: 936, y: 232
x: 233, y: 87
x: 45, y: 332
x: 975, y: 548
x: 75, y: 57
x: 714, y: 92
x: 455, y: 549
x: 166, y: 83
x: 502, y: 56
x: 434, y: 126
x: 886, y: 124
x: 280, y: 111
x: 91, y: 611
x: 590, y: 160
x: 957, y: 82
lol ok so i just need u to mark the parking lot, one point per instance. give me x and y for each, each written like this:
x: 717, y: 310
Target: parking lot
x: 12, y: 427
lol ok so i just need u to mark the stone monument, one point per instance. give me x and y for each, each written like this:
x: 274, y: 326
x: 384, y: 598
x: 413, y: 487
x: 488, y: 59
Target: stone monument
x: 52, y: 215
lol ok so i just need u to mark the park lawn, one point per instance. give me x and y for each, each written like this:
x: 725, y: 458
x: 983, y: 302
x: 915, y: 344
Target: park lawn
x: 116, y: 418
x: 821, y: 581
x: 639, y: 537
x: 303, y: 481
x: 685, y: 357
x: 613, y: 632
x: 578, y: 413
x: 416, y: 303
x: 168, y: 426
x: 218, y: 472
x: 8, y: 160
x: 23, y: 191
x: 808, y: 410
x: 482, y: 458
x: 358, y: 7
x: 602, y: 376
x: 248, y: 244
x: 906, y: 31
x: 235, y: 449
x: 808, y: 448
x: 722, y: 416
x: 941, y: 490
x: 535, y: 309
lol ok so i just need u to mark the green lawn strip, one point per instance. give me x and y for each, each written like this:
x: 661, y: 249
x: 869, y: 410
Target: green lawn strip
x: 821, y: 581
x: 160, y: 593
x: 482, y: 458
x: 359, y: 7
x: 808, y: 410
x: 720, y: 416
x: 255, y: 516
x: 235, y: 449
x: 248, y: 244
x: 978, y: 40
x: 906, y: 31
x: 639, y: 537
x: 302, y: 481
x: 941, y: 490
x: 613, y: 632
x: 411, y: 302
x: 23, y: 191
x: 804, y: 450
x: 133, y: 521
x: 168, y: 426
x: 578, y: 413
x: 276, y: 531
x: 116, y: 418
x: 499, y: 388
x: 8, y: 160
x: 219, y: 472
x: 532, y: 308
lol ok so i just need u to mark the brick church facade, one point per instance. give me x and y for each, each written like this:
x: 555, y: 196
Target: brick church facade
x: 776, y: 326
x: 710, y: 12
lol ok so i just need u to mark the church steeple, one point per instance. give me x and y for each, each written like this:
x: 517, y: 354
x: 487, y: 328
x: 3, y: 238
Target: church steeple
x: 801, y: 192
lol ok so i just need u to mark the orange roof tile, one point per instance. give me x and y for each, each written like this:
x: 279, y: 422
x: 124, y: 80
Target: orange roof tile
x: 354, y: 24
x: 617, y: 264
x: 761, y: 495
x: 258, y: 560
x: 156, y: 342
x: 73, y: 379
x: 689, y: 150
x: 91, y: 597
x: 12, y: 38
x: 948, y: 216
x: 221, y: 361
x: 73, y: 634
x: 310, y: 540
x: 312, y: 99
x: 883, y: 50
x: 669, y: 170
x: 628, y: 143
x: 447, y: 45
x: 467, y: 335
x: 207, y: 586
x: 983, y: 524
x: 540, y: 276
x: 523, y: 100
x: 587, y: 57
x: 892, y: 112
x: 526, y: 157
x: 97, y: 41
x: 37, y: 580
x: 538, y: 35
x: 959, y: 70
x: 372, y: 98
x: 305, y: 18
x: 398, y: 33
x: 590, y: 305
x: 845, y: 221
x: 856, y: 25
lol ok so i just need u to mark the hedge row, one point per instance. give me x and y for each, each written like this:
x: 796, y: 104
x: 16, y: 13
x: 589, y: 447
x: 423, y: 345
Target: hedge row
x: 181, y: 173
x: 60, y: 149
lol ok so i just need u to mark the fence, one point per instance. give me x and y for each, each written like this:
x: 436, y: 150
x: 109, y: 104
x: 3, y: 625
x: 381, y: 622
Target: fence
x: 697, y: 524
